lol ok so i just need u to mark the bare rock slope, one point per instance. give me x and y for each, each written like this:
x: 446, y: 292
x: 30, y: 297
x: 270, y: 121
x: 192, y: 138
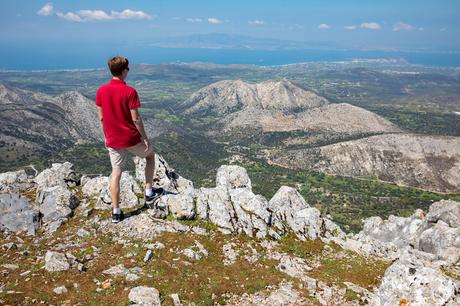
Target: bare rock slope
x: 34, y: 124
x: 428, y: 162
x: 273, y: 106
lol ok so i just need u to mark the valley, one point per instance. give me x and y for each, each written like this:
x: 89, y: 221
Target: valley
x: 312, y: 126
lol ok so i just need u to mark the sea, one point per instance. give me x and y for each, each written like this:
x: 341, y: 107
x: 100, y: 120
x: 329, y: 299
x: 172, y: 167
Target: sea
x: 89, y: 57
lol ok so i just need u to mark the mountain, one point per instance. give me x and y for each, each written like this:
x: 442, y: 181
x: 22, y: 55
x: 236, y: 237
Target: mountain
x: 279, y: 106
x: 302, y: 130
x: 428, y: 162
x: 34, y: 124
x: 228, y: 96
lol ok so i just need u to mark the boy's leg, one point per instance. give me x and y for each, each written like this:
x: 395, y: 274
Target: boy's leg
x: 149, y: 169
x: 115, y: 186
x: 139, y: 150
x: 117, y: 159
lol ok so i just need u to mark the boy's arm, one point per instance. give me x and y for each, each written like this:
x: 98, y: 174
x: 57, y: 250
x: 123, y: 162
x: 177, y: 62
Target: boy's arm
x: 100, y: 112
x: 140, y: 126
x: 100, y: 118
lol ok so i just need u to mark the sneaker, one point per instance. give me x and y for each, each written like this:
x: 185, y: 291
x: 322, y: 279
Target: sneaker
x: 117, y: 217
x: 157, y: 193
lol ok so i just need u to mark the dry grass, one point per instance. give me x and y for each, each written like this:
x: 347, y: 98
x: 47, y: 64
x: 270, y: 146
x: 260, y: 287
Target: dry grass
x: 205, y: 282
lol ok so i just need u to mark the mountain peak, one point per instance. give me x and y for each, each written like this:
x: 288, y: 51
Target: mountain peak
x: 228, y: 96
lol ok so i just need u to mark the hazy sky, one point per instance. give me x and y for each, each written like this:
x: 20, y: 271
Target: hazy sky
x: 383, y: 24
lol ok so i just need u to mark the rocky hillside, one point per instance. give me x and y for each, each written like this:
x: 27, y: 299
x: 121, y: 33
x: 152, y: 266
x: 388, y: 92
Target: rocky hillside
x: 272, y: 106
x: 300, y: 130
x: 228, y: 96
x: 220, y: 245
x: 428, y: 162
x: 35, y: 124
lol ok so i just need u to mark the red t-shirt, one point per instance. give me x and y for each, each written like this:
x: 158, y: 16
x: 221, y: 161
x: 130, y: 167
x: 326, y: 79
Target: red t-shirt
x: 116, y: 99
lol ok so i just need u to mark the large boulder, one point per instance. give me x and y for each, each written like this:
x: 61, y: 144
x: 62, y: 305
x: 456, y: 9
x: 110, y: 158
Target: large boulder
x: 234, y: 208
x: 412, y: 281
x: 129, y: 191
x: 56, y: 204
x: 180, y: 202
x: 232, y: 205
x: 17, y: 214
x: 214, y: 204
x: 14, y: 181
x: 399, y: 231
x: 251, y: 212
x: 180, y: 193
x: 441, y: 240
x: 445, y: 210
x: 163, y: 173
x: 58, y: 175
x: 94, y: 186
x: 434, y: 234
x: 233, y: 176
x: 291, y: 212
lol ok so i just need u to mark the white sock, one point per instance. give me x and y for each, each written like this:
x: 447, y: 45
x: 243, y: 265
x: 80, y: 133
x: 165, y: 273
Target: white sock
x: 117, y: 210
x: 149, y: 191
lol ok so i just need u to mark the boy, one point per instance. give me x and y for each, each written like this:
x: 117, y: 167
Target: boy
x: 124, y: 132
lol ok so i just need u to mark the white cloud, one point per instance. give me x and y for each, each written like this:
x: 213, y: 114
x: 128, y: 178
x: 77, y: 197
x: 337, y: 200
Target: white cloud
x: 90, y: 15
x: 256, y: 22
x: 324, y: 26
x: 351, y: 27
x: 442, y: 30
x: 93, y: 15
x: 130, y: 14
x: 194, y: 20
x: 46, y: 10
x: 212, y: 20
x: 69, y: 16
x: 401, y: 26
x: 371, y: 25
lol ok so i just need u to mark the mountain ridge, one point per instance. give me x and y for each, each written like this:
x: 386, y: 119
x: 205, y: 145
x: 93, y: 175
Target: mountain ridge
x: 37, y: 124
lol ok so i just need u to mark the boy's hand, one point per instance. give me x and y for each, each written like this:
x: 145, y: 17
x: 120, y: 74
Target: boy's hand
x: 147, y: 144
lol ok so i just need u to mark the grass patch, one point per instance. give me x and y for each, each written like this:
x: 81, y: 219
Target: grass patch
x: 351, y: 267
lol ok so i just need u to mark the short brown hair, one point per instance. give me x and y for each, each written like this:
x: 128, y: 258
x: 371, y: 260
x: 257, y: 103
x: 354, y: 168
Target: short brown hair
x: 117, y: 64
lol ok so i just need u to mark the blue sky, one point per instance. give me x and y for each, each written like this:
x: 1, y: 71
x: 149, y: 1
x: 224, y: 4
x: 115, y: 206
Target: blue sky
x: 389, y: 24
x: 386, y: 24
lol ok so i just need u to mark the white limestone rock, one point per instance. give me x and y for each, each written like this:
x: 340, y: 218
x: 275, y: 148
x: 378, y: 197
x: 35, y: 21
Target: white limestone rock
x: 143, y: 295
x: 415, y: 281
x: 60, y: 174
x: 55, y: 261
x: 233, y: 176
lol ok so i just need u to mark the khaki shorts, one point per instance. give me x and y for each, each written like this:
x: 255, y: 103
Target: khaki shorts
x: 118, y: 157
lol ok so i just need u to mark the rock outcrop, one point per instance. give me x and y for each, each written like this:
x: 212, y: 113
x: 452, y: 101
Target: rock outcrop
x: 427, y: 235
x: 421, y: 246
x: 428, y: 162
x: 17, y: 214
x: 412, y: 281
x: 54, y: 200
x: 291, y: 212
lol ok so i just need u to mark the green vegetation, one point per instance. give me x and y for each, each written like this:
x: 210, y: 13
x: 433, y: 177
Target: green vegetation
x: 348, y: 200
x: 424, y: 122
